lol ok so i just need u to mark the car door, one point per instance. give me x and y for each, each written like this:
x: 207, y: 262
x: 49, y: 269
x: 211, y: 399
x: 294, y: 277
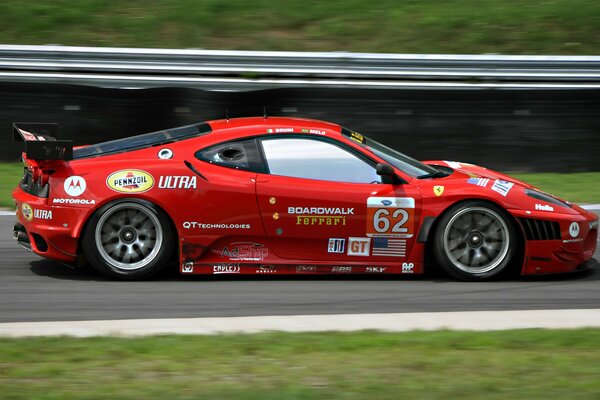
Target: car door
x: 323, y: 200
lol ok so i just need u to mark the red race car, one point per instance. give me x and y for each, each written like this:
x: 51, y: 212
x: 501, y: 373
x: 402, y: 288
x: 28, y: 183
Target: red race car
x: 283, y: 196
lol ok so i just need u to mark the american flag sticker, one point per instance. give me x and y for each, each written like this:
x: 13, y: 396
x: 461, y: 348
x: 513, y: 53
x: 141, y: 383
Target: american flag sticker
x: 389, y: 247
x: 478, y: 181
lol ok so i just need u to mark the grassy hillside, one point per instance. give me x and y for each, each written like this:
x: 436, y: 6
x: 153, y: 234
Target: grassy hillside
x: 407, y: 26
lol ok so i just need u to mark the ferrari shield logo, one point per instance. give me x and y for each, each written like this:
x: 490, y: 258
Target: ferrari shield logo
x: 438, y: 190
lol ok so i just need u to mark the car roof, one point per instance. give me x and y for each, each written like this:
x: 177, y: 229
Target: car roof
x: 224, y: 125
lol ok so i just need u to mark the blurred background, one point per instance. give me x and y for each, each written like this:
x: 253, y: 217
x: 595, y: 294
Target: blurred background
x: 513, y: 124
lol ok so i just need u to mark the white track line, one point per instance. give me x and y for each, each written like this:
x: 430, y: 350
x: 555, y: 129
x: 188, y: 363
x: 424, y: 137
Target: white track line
x: 463, y: 320
x: 6, y: 213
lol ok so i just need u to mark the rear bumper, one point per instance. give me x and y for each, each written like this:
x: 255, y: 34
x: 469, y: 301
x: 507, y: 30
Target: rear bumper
x: 48, y: 231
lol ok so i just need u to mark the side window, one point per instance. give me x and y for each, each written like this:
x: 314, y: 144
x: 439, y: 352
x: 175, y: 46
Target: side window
x: 316, y: 159
x: 238, y: 155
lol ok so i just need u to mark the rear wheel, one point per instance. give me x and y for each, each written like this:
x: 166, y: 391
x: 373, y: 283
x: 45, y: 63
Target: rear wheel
x: 128, y: 239
x: 475, y: 241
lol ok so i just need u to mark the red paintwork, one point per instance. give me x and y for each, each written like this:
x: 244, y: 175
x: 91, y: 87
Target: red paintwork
x: 264, y: 245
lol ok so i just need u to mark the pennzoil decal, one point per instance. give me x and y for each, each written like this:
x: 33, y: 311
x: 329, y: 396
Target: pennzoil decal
x: 130, y: 181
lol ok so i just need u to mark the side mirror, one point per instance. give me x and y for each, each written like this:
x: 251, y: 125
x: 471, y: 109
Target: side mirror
x: 387, y: 174
x: 385, y: 170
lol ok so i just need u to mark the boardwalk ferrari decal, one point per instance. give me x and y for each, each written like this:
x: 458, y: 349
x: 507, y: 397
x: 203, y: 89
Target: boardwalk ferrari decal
x: 217, y: 197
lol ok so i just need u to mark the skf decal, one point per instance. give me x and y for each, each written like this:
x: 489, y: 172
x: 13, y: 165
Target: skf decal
x: 245, y: 251
x: 74, y: 186
x: 336, y: 245
x: 359, y: 246
x: 378, y: 270
x: 438, y: 190
x: 130, y: 181
x: 176, y: 182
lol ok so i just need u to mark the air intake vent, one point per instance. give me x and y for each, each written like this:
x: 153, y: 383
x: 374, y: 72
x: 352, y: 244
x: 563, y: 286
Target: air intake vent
x: 536, y: 229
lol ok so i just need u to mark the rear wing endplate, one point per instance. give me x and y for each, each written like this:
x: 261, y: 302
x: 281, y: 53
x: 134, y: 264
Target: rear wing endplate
x: 40, y: 141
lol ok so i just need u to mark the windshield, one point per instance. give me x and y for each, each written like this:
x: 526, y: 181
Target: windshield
x: 403, y: 162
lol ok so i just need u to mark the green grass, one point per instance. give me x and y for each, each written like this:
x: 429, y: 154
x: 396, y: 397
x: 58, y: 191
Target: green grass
x: 580, y: 187
x: 10, y: 174
x: 408, y: 26
x: 523, y: 364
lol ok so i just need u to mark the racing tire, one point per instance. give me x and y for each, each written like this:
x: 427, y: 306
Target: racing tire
x: 128, y: 240
x: 475, y: 241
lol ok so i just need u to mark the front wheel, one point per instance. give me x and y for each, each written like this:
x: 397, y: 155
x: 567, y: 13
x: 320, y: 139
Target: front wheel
x: 128, y: 239
x: 475, y: 241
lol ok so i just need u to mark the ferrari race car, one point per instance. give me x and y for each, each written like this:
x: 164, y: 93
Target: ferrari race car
x: 283, y: 196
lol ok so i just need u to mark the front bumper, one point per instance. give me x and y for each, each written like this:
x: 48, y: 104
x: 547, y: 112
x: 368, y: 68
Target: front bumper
x: 567, y: 250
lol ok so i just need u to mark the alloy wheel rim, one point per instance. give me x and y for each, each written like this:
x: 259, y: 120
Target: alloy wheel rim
x: 128, y: 236
x: 476, y: 240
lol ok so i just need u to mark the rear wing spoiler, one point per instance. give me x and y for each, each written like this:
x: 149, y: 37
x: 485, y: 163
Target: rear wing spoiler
x: 41, y: 141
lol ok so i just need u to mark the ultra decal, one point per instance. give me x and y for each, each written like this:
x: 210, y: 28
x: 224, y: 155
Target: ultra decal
x: 176, y: 182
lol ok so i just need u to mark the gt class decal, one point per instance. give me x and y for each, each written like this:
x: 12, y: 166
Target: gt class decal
x: 130, y: 181
x: 390, y: 217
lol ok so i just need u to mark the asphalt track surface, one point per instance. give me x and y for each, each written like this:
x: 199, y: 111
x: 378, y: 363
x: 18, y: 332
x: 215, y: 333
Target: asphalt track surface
x: 34, y: 289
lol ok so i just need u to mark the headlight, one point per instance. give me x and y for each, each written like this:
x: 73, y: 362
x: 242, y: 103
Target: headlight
x: 545, y: 197
x: 594, y: 225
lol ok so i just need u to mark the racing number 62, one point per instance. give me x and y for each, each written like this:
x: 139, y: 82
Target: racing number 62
x: 381, y: 220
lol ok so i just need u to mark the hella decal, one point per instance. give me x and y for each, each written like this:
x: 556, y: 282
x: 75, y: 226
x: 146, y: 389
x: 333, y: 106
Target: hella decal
x: 544, y: 207
x: 130, y: 181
